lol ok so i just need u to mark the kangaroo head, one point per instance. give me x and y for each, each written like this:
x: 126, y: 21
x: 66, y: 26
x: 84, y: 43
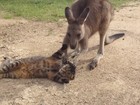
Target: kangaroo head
x: 76, y: 28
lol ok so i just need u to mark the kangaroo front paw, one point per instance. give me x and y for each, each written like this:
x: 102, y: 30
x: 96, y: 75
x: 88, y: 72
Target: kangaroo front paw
x: 93, y: 64
x: 74, y: 54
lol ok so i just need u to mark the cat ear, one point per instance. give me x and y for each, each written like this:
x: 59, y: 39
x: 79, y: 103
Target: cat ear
x: 58, y: 55
x: 61, y: 52
x: 83, y: 17
x: 69, y: 15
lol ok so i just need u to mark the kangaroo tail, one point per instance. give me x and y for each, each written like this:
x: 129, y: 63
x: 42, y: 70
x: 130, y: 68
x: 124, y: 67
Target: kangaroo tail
x: 110, y: 39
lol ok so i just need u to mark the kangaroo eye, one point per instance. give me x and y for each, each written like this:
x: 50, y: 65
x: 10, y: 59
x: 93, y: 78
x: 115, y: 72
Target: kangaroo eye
x: 69, y: 34
x: 78, y: 35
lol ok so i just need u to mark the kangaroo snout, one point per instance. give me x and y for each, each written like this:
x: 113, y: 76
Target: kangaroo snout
x: 73, y: 46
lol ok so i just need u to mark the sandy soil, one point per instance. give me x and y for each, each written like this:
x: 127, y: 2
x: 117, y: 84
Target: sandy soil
x: 116, y: 81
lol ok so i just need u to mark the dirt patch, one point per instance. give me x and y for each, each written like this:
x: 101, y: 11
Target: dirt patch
x: 116, y: 81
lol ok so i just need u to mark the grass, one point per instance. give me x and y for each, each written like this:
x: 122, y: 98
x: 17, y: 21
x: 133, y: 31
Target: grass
x: 118, y: 3
x: 48, y: 10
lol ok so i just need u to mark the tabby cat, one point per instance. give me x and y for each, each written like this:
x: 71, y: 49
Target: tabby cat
x: 55, y: 67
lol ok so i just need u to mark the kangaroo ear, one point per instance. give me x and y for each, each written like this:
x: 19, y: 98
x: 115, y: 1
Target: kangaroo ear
x: 82, y: 18
x: 69, y: 15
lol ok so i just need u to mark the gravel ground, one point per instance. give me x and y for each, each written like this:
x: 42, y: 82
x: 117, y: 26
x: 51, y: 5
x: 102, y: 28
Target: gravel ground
x: 116, y: 81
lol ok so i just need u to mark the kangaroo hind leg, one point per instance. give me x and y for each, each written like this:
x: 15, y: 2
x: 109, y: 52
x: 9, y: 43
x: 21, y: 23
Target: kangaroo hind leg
x: 102, y: 33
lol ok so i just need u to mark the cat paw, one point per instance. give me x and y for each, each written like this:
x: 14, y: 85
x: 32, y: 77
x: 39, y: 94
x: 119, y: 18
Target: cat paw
x: 64, y: 80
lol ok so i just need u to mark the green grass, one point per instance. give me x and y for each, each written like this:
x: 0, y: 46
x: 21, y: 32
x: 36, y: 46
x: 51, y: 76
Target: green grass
x: 118, y: 3
x: 48, y: 10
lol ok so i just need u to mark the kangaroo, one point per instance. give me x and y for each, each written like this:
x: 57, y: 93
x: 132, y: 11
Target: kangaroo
x: 85, y: 18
